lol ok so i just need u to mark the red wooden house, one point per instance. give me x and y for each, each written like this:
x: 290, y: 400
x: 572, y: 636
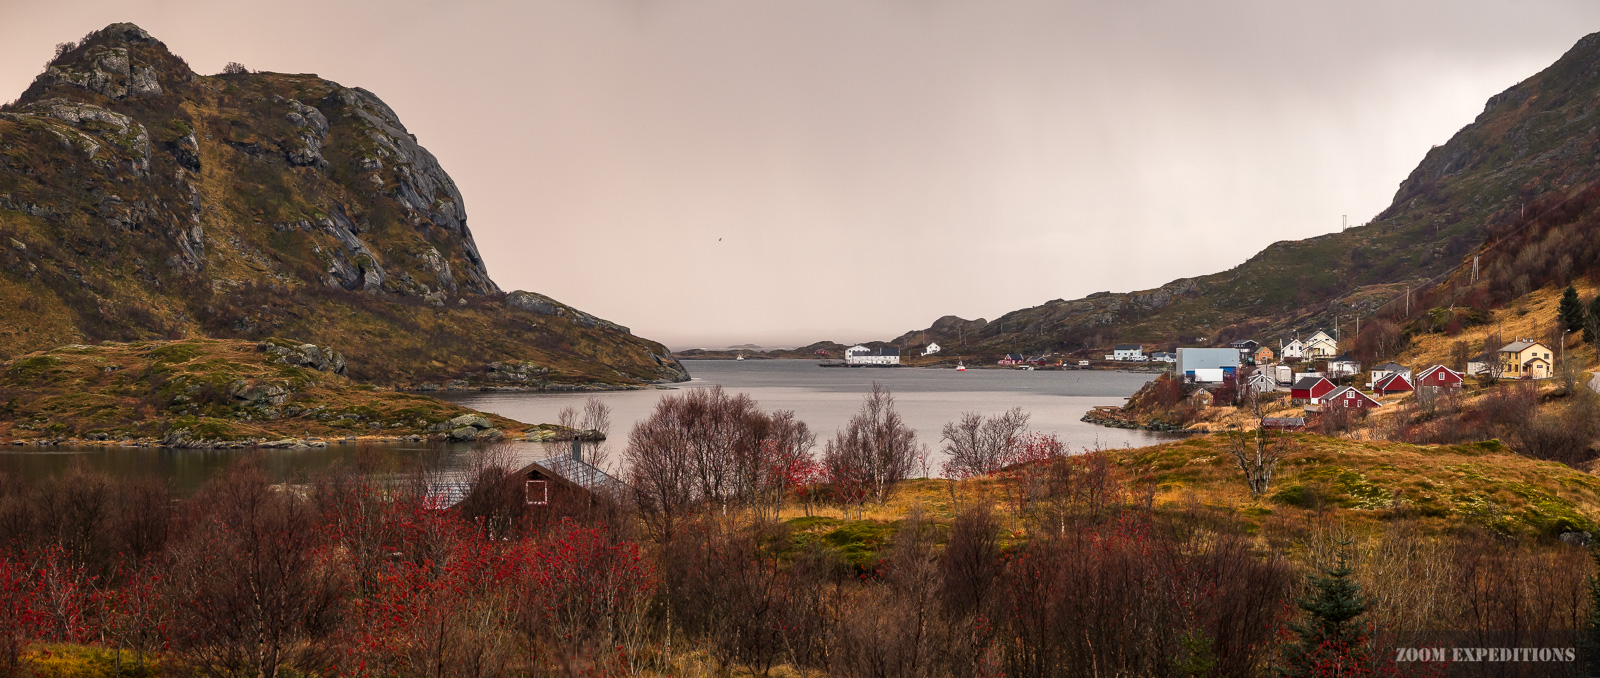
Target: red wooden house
x: 1310, y: 389
x: 1392, y: 384
x: 1440, y: 376
x: 1347, y: 397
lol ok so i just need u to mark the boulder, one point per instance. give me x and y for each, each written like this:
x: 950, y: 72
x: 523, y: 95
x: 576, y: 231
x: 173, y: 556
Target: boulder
x: 464, y: 434
x: 477, y: 421
x: 319, y: 358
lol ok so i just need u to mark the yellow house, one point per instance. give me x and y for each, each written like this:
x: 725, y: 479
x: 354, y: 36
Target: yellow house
x: 1264, y: 356
x: 1320, y: 345
x: 1526, y: 358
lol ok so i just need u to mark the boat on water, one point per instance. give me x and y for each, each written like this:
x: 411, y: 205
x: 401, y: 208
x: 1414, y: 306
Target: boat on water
x: 741, y: 357
x: 960, y: 366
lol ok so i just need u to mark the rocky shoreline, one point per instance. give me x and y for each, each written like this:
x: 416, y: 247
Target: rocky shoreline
x: 1112, y: 417
x: 467, y: 428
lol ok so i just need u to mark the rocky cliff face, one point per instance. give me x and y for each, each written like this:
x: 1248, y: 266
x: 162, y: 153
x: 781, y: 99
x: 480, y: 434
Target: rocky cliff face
x: 1533, y: 145
x: 141, y: 200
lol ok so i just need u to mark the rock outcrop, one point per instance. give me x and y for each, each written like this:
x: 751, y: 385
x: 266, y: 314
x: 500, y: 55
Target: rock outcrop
x: 147, y: 202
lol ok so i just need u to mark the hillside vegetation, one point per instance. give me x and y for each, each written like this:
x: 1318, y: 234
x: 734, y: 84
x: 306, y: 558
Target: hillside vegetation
x: 214, y: 392
x: 142, y: 201
x: 1501, y: 185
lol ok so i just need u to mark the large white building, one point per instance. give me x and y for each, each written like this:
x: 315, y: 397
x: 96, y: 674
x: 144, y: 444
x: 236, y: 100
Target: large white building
x: 861, y: 355
x: 1192, y: 360
x: 1133, y: 352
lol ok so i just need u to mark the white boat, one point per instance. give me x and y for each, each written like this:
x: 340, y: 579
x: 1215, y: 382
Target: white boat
x: 960, y: 367
x: 741, y: 357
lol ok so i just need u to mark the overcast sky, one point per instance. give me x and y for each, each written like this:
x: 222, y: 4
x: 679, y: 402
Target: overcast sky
x: 713, y: 172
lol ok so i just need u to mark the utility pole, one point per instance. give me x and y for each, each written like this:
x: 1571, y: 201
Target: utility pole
x: 1408, y: 302
x: 1474, y: 268
x: 1344, y: 221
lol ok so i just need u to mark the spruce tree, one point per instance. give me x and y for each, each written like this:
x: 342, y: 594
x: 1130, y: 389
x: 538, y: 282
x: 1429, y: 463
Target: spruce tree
x: 1572, y: 312
x: 1330, y: 641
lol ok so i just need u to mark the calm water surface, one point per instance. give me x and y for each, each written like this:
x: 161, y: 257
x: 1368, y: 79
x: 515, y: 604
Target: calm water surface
x: 825, y: 398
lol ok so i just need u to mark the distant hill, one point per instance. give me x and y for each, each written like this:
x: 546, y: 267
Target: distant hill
x: 212, y: 392
x: 1522, y: 171
x: 140, y: 200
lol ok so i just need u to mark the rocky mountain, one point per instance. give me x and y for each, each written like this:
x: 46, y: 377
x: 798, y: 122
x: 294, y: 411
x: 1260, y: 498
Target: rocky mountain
x: 1523, y: 162
x: 140, y: 200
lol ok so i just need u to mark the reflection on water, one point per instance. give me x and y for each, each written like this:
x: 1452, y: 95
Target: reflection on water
x: 189, y: 469
x: 826, y: 398
x: 823, y: 398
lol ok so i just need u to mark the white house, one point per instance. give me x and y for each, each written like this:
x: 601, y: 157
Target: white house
x: 1164, y: 357
x: 931, y: 349
x: 1292, y: 350
x: 1320, y: 345
x: 1343, y: 366
x: 1386, y: 369
x: 1133, y: 352
x: 861, y: 355
x: 1261, y: 381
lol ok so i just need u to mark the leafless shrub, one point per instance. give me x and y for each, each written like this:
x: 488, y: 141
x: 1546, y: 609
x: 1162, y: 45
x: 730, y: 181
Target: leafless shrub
x: 892, y: 633
x: 701, y: 448
x: 256, y: 594
x: 878, y: 443
x: 1257, y: 453
x: 977, y: 445
x: 234, y: 68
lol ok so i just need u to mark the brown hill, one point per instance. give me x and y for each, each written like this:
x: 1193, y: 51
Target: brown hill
x: 139, y: 200
x: 1524, y: 161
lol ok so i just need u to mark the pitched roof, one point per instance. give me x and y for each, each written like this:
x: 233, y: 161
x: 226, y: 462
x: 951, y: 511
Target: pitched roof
x: 581, y: 473
x: 1307, y: 382
x: 1345, y: 358
x: 1128, y: 347
x: 1436, y: 368
x: 1386, y: 382
x: 1340, y: 392
x: 889, y: 350
x: 1391, y: 367
x: 1520, y: 346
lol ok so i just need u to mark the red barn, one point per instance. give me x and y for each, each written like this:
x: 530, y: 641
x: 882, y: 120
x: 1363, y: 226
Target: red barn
x: 1310, y: 389
x: 1440, y: 376
x: 1394, y: 383
x: 1349, y: 397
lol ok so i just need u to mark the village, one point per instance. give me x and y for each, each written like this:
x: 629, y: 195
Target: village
x: 1306, y: 383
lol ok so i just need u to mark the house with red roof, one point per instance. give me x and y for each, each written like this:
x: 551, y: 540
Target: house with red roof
x: 1347, y: 397
x: 1310, y: 389
x: 1440, y: 376
x: 1392, y: 384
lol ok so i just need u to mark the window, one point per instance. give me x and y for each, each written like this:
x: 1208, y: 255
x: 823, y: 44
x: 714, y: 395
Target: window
x: 537, y: 491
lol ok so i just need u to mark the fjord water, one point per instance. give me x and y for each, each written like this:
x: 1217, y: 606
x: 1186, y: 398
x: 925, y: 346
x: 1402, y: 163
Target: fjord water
x: 824, y: 398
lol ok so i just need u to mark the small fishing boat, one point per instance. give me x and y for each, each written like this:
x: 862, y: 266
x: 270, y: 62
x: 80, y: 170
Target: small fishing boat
x: 741, y: 357
x: 960, y: 366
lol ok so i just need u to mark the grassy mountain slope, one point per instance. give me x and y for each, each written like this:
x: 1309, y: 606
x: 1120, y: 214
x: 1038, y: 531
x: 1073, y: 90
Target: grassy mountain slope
x: 1532, y: 147
x: 139, y: 200
x: 209, y: 392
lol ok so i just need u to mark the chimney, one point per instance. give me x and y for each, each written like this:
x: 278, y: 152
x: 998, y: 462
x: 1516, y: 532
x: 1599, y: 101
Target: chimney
x: 577, y: 449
